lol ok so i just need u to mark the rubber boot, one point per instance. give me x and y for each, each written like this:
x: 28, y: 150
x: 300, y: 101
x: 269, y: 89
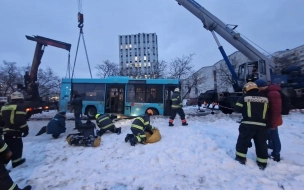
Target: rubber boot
x: 241, y: 160
x: 15, y: 164
x: 128, y: 137
x: 118, y: 130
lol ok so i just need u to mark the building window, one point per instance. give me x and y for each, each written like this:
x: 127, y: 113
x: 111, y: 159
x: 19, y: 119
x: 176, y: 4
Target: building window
x: 139, y: 64
x: 145, y: 64
x: 135, y: 58
x: 126, y: 46
x: 145, y: 58
x: 149, y: 64
x: 130, y: 46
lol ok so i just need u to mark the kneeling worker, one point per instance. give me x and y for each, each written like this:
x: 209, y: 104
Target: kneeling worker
x: 138, y: 128
x: 104, y: 122
x: 56, y: 126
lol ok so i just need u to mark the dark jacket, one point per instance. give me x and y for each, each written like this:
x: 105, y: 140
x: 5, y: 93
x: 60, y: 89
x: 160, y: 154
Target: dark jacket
x: 3, y: 151
x: 176, y: 101
x: 56, y: 125
x: 254, y: 107
x: 142, y: 123
x: 105, y: 121
x: 275, y: 105
x: 13, y: 116
x: 77, y: 104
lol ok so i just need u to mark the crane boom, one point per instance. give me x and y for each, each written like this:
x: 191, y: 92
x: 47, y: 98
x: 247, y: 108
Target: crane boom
x: 212, y: 23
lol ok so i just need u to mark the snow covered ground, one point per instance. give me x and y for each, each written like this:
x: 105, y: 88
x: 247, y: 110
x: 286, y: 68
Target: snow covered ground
x: 198, y: 156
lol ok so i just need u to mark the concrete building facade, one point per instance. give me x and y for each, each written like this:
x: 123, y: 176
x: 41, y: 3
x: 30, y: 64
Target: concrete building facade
x: 138, y: 55
x: 295, y: 56
x: 214, y: 76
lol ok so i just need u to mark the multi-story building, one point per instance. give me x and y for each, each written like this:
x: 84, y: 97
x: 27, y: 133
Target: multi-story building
x: 293, y: 56
x: 138, y: 55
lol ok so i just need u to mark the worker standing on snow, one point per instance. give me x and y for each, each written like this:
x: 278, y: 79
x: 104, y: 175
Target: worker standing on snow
x: 138, y: 128
x: 176, y: 108
x: 13, y: 117
x: 77, y: 106
x: 104, y: 122
x: 6, y: 181
x: 56, y: 126
x: 253, y: 107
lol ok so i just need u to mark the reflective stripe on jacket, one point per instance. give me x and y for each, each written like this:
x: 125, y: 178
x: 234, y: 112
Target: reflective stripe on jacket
x: 176, y: 101
x: 254, y: 108
x: 104, y: 121
x: 142, y: 123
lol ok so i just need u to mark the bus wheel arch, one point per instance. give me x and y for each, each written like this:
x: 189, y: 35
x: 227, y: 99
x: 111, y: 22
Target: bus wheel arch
x: 155, y: 111
x: 91, y: 111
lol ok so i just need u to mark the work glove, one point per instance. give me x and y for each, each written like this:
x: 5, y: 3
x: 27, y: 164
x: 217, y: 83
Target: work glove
x: 25, y: 134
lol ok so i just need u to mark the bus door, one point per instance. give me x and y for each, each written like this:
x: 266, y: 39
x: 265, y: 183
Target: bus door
x: 168, y: 92
x: 115, y: 99
x: 65, y: 97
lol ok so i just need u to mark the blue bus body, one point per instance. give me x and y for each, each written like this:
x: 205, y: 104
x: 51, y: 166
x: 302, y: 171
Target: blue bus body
x: 124, y: 96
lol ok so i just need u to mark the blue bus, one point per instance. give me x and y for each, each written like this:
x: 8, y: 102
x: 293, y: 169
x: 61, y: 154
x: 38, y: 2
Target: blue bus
x: 123, y: 96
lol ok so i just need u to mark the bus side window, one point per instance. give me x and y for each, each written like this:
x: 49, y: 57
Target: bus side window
x: 130, y: 93
x: 140, y: 93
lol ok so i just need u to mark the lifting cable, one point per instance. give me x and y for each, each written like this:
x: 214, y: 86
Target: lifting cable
x: 80, y: 26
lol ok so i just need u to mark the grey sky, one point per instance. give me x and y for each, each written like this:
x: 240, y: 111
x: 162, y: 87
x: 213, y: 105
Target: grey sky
x: 272, y: 24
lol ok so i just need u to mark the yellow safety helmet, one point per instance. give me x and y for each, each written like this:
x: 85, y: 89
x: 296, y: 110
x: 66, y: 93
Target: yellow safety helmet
x: 150, y: 112
x: 249, y: 86
x: 97, y: 115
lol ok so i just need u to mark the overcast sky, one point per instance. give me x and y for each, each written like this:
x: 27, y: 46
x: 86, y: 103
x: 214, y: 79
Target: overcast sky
x: 272, y: 24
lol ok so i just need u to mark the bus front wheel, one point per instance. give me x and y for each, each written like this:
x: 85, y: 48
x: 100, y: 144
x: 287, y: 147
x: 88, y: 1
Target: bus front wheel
x: 155, y: 111
x: 91, y: 112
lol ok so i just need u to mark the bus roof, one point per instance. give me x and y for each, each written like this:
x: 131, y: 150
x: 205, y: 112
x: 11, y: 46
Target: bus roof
x: 120, y: 80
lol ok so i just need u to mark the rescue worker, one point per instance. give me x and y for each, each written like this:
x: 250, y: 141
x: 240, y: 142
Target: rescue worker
x: 253, y: 107
x: 56, y: 126
x: 77, y: 106
x: 105, y: 123
x: 138, y: 128
x: 176, y: 108
x: 275, y: 118
x: 13, y: 114
x: 6, y: 181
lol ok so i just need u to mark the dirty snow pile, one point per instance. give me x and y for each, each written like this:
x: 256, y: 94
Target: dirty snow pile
x: 198, y: 156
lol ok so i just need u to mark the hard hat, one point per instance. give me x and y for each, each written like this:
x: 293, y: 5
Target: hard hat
x: 150, y: 112
x: 176, y: 90
x: 250, y: 86
x: 17, y: 95
x: 97, y: 115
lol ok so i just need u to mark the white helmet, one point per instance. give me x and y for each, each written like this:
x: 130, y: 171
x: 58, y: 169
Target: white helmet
x: 176, y: 90
x: 17, y: 95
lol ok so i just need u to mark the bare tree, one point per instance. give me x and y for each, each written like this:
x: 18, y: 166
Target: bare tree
x: 49, y: 82
x: 107, y: 68
x: 9, y: 77
x: 195, y: 81
x: 160, y: 69
x: 181, y: 68
x: 224, y: 74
